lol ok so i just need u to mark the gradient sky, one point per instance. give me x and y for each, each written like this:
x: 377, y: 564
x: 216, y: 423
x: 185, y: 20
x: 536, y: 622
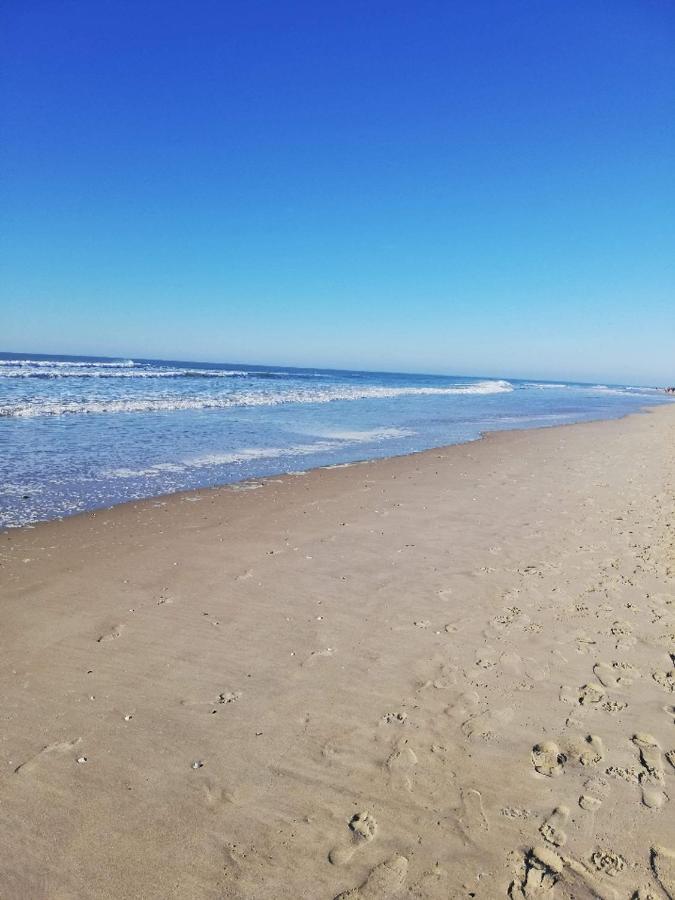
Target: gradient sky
x: 463, y: 187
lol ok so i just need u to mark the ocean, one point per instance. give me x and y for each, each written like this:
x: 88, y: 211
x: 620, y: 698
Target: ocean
x: 83, y: 433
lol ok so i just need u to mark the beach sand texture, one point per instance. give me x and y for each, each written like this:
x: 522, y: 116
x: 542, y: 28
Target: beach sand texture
x: 447, y: 675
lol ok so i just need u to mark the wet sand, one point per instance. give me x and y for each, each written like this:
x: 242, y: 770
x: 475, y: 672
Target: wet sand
x: 445, y: 675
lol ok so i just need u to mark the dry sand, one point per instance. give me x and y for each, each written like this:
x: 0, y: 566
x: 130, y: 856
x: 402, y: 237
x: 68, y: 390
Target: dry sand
x: 446, y: 675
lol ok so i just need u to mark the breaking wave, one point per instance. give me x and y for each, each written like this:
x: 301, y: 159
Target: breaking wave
x: 30, y: 368
x: 67, y: 364
x: 169, y: 403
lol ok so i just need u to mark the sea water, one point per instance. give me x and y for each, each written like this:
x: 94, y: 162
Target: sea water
x: 80, y: 433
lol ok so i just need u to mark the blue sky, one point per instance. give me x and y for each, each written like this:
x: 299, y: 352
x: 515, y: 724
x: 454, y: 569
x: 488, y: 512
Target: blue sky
x: 463, y: 187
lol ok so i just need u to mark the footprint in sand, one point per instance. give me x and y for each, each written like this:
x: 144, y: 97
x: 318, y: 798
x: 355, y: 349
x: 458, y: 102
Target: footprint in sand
x: 663, y: 864
x: 608, y: 862
x: 432, y: 883
x: 445, y: 679
x: 547, y: 759
x: 552, y: 829
x: 486, y: 659
x: 595, y: 791
x: 515, y: 812
x: 644, y: 893
x: 598, y: 786
x: 589, y: 751
x: 629, y: 774
x: 568, y: 694
x: 652, y: 797
x: 622, y: 631
x: 650, y: 754
x: 363, y: 828
x: 394, y: 718
x: 489, y: 724
x: 666, y: 680
x: 110, y: 635
x: 463, y: 706
x: 474, y: 814
x: 401, y: 765
x: 383, y: 883
x: 652, y: 778
x: 512, y: 664
x: 58, y: 747
x: 615, y: 674
x: 590, y: 694
x: 666, y: 639
x: 543, y: 867
x: 537, y: 671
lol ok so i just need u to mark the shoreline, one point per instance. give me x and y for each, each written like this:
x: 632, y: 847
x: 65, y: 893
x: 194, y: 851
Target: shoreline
x: 261, y: 480
x: 443, y: 674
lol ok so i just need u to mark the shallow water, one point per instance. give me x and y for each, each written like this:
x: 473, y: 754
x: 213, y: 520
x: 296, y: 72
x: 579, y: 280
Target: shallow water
x: 79, y: 433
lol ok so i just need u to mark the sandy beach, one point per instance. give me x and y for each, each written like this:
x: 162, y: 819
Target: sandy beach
x: 445, y: 675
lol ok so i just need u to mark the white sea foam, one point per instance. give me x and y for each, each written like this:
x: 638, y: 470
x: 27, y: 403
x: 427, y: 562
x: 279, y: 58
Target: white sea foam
x: 169, y: 402
x: 248, y: 454
x: 156, y: 469
x: 20, y: 489
x: 534, y: 417
x: 208, y: 460
x: 606, y: 389
x: 60, y: 363
x: 44, y: 372
x: 594, y: 388
x: 338, y: 440
x: 477, y: 387
x: 367, y: 436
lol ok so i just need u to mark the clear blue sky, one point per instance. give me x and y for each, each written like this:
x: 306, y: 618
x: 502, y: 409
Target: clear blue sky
x: 464, y: 187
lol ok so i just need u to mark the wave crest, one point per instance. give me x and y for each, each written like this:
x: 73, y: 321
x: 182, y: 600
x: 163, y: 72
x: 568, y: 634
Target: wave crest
x: 60, y: 407
x: 60, y: 363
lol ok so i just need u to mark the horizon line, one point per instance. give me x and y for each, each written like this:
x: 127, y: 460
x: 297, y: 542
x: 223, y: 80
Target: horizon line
x: 153, y: 359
